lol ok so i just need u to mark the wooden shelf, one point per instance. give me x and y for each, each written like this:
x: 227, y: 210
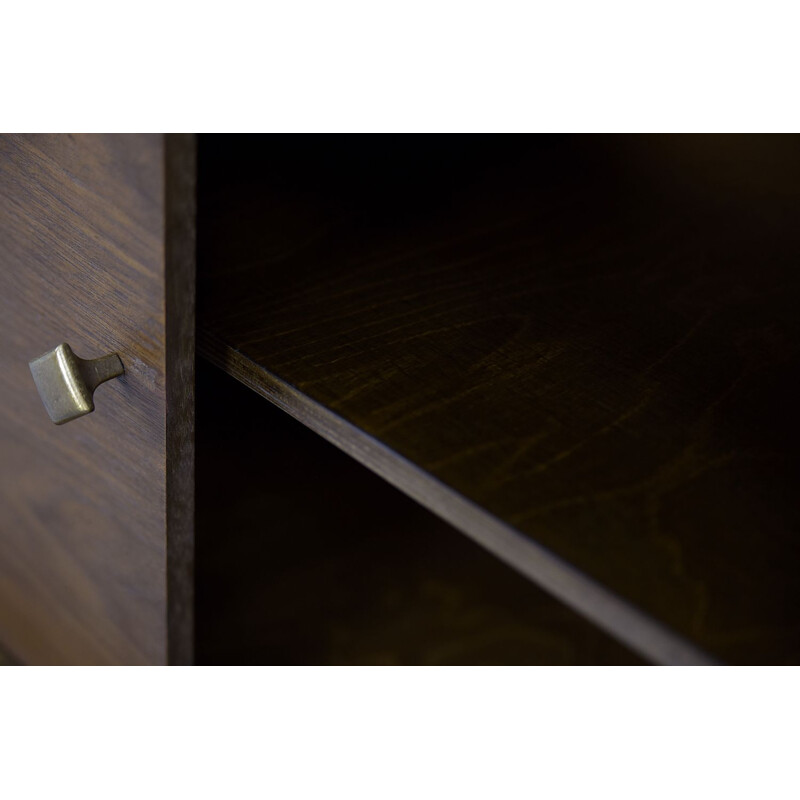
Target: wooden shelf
x: 306, y: 557
x: 581, y: 352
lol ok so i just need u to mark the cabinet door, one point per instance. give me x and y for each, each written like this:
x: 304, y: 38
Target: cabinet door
x: 97, y: 250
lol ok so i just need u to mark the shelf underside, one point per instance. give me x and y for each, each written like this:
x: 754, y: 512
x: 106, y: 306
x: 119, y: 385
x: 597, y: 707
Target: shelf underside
x: 582, y: 352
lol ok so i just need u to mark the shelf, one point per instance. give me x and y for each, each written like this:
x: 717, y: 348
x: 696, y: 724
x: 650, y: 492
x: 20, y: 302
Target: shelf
x: 306, y: 557
x: 581, y: 352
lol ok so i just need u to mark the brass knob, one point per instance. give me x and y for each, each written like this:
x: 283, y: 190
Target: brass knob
x: 66, y: 383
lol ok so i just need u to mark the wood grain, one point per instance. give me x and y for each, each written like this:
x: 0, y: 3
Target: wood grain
x: 179, y: 297
x: 92, y: 231
x: 306, y: 557
x: 580, y: 351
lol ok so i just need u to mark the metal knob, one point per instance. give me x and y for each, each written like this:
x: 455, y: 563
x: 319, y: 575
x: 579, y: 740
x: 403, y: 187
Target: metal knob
x: 66, y: 383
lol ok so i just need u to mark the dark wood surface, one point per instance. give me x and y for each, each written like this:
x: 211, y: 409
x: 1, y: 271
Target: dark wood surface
x: 6, y: 659
x: 306, y: 557
x: 180, y: 239
x: 87, y: 235
x: 583, y: 352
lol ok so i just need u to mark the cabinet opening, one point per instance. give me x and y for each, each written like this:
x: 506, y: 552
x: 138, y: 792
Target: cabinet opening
x: 304, y: 556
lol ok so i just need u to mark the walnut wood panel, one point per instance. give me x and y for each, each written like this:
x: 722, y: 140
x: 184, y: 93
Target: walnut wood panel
x: 96, y: 249
x: 583, y: 352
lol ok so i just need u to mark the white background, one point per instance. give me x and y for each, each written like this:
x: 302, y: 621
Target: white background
x: 391, y: 732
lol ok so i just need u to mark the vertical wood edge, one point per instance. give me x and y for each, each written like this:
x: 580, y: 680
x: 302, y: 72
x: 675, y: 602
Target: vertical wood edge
x: 180, y: 185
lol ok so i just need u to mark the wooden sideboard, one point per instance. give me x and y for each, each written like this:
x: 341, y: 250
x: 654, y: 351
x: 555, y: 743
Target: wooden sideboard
x: 533, y: 399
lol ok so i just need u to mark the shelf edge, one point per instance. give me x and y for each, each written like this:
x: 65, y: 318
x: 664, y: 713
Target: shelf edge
x: 620, y: 619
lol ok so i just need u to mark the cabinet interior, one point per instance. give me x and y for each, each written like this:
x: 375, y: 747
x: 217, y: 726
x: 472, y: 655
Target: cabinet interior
x: 305, y: 556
